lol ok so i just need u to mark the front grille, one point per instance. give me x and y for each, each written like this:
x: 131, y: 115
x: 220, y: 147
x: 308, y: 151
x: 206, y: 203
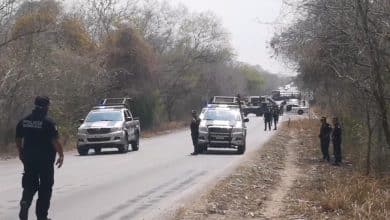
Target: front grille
x: 220, y: 138
x: 98, y: 139
x: 220, y: 130
x: 98, y: 130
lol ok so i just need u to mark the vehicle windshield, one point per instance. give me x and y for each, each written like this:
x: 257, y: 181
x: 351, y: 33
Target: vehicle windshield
x: 104, y: 116
x: 222, y: 115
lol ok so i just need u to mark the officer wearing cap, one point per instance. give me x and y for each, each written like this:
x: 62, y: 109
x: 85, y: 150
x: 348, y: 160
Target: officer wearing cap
x: 324, y: 136
x: 195, y: 122
x: 37, y: 143
x: 336, y: 140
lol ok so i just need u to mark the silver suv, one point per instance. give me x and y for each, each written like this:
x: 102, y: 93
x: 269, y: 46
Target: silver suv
x: 108, y: 126
x: 222, y: 127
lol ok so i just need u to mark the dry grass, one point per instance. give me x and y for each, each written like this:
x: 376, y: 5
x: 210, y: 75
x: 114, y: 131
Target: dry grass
x: 328, y: 192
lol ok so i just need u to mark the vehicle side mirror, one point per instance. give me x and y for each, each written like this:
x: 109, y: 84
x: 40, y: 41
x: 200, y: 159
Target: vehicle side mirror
x: 246, y: 120
x: 129, y: 119
x: 81, y: 120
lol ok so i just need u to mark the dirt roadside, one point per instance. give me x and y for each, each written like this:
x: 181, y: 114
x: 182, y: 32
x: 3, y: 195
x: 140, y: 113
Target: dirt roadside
x: 256, y: 189
x: 287, y: 180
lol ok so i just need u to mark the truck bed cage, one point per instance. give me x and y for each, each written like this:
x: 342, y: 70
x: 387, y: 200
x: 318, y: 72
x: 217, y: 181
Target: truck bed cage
x: 115, y: 103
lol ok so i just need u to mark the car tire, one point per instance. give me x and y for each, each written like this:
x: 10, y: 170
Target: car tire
x: 300, y: 112
x: 202, y: 148
x: 135, y: 144
x: 241, y: 149
x: 98, y: 150
x: 125, y: 147
x: 82, y: 152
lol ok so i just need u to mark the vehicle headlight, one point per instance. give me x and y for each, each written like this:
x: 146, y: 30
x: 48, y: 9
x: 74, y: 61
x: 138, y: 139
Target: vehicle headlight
x: 237, y: 130
x: 116, y: 129
x: 203, y: 129
x: 82, y: 131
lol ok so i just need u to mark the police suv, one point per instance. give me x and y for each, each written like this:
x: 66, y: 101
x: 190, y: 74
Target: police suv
x: 222, y: 126
x: 109, y: 125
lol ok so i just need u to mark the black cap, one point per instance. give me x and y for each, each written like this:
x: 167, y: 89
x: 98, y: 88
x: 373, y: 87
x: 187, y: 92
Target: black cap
x: 42, y: 101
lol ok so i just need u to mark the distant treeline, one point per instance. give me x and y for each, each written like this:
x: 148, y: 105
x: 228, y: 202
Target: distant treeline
x: 169, y: 59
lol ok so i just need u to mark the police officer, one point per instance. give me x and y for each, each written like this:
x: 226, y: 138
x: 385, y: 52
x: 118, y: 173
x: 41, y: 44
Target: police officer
x: 336, y: 140
x: 195, y: 131
x: 324, y: 136
x: 37, y: 143
x: 267, y: 119
x: 275, y: 115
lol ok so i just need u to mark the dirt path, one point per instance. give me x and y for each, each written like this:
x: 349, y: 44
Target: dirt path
x: 273, y: 207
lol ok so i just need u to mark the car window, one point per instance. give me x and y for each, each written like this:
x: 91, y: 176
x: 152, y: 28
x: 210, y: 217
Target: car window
x: 104, y: 116
x: 222, y: 115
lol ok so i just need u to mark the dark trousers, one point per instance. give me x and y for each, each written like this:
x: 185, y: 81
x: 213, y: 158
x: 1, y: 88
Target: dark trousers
x: 38, y: 176
x: 325, y: 149
x: 267, y: 124
x: 276, y: 120
x: 337, y: 151
x: 195, y: 142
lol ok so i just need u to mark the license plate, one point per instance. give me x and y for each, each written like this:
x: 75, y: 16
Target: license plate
x: 219, y: 137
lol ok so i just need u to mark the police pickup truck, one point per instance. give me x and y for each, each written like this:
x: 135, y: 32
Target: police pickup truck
x: 109, y: 125
x: 222, y: 126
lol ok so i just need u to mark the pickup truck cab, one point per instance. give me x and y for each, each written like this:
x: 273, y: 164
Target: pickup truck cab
x: 222, y: 127
x: 108, y: 126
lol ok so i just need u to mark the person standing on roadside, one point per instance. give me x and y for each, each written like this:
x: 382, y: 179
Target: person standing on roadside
x: 324, y: 136
x: 267, y: 119
x: 336, y: 140
x: 195, y: 122
x: 37, y: 143
x: 275, y: 115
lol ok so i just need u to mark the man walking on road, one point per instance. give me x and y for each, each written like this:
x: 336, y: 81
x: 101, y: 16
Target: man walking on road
x: 37, y: 143
x: 195, y: 131
x: 324, y: 136
x: 336, y: 140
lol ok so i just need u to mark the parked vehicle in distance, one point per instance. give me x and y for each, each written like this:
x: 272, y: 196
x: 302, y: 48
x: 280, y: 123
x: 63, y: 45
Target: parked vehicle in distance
x: 109, y: 125
x: 297, y: 109
x: 222, y: 127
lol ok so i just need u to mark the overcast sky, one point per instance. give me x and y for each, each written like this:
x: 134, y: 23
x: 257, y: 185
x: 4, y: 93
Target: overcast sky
x: 249, y: 36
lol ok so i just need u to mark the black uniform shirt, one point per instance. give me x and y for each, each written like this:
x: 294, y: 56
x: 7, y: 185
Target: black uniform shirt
x: 195, y: 126
x: 38, y: 133
x: 325, y: 131
x: 336, y: 135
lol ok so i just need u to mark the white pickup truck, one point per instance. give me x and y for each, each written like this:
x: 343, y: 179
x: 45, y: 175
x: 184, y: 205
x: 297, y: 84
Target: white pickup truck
x: 109, y: 125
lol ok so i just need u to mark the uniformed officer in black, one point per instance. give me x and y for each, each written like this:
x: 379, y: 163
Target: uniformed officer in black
x: 37, y: 143
x: 336, y: 140
x: 195, y: 122
x: 324, y: 136
x: 275, y: 116
x: 267, y: 119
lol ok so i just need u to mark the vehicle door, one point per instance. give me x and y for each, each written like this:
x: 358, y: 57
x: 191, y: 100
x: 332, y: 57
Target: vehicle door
x: 128, y: 120
x: 131, y: 124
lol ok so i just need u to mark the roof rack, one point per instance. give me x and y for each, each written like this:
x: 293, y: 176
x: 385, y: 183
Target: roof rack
x: 228, y: 100
x: 114, y: 103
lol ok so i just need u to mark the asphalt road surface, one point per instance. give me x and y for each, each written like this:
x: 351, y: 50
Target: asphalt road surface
x: 148, y: 184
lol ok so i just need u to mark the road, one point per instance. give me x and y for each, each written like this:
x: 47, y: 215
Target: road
x: 148, y: 184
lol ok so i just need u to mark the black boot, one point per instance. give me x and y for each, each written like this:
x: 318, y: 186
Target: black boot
x: 23, y: 214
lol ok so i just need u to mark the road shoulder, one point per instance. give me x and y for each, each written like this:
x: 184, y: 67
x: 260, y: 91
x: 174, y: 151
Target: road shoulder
x: 246, y: 192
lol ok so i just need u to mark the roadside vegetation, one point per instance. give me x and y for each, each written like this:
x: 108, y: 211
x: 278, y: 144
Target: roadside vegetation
x: 341, y: 49
x: 164, y: 56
